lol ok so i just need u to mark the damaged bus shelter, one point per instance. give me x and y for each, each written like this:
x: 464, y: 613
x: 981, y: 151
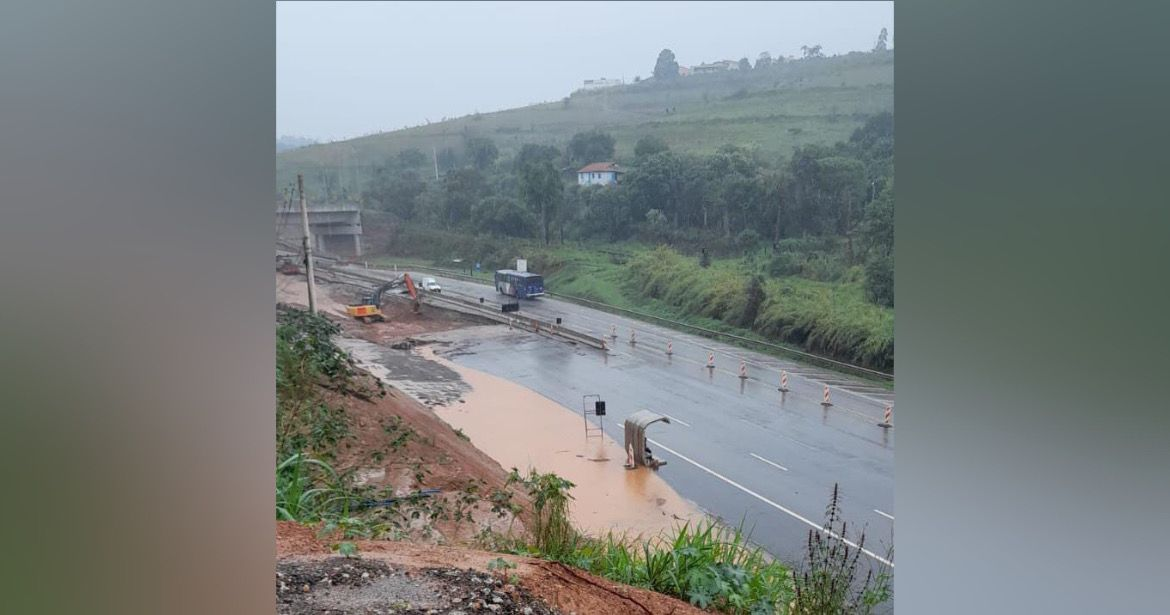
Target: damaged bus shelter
x: 638, y: 454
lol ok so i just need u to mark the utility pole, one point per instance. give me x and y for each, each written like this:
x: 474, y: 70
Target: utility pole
x: 308, y: 243
x: 435, y: 157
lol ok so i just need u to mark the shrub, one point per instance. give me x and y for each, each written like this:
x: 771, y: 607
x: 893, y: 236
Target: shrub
x: 879, y: 280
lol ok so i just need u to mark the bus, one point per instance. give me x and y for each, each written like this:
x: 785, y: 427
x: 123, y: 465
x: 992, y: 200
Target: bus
x: 519, y: 284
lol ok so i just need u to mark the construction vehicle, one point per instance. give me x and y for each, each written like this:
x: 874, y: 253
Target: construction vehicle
x: 370, y: 309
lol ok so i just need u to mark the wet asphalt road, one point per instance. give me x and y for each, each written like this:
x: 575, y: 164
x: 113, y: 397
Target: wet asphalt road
x: 736, y: 447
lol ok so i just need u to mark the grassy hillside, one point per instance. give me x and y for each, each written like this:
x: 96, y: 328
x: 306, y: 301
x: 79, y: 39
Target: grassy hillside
x: 774, y: 109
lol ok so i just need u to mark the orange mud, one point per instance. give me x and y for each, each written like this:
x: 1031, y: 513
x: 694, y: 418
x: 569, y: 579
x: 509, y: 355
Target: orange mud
x: 523, y: 429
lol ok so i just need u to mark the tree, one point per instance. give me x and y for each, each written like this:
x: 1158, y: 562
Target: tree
x: 812, y: 52
x: 503, y: 216
x: 666, y: 68
x: 462, y: 188
x: 745, y: 64
x: 447, y: 159
x: 590, y: 146
x: 541, y: 188
x: 881, y: 42
x: 764, y: 60
x: 396, y: 193
x: 411, y: 158
x: 755, y: 299
x: 648, y: 146
x: 481, y: 151
x: 530, y: 152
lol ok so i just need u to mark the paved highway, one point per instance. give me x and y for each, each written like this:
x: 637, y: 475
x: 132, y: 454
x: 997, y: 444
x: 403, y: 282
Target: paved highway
x: 737, y: 447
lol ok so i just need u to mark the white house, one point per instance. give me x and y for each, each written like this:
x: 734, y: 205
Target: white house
x: 593, y: 84
x: 716, y: 67
x: 598, y: 174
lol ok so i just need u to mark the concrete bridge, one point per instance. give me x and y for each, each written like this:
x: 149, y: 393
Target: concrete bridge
x: 336, y: 228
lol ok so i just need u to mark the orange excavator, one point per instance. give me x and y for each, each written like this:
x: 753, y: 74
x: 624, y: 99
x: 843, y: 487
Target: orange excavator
x: 370, y: 309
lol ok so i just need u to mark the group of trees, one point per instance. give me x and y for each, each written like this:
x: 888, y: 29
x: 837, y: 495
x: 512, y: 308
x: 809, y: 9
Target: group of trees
x: 731, y: 201
x: 666, y: 67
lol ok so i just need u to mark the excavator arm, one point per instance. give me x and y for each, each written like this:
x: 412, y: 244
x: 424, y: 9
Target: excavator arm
x: 371, y: 308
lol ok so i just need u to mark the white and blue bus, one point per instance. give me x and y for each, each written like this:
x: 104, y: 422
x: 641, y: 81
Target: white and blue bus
x: 519, y: 284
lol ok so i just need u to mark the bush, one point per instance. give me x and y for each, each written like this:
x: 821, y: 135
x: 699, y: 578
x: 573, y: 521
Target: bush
x: 879, y: 280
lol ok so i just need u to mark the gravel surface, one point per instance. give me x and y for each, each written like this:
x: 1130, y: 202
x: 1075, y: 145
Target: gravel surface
x: 342, y: 585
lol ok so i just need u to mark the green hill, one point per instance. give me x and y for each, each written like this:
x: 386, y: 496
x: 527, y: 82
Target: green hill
x: 773, y: 109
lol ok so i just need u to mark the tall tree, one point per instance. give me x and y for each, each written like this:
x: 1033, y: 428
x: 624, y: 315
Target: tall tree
x: 881, y: 42
x: 745, y: 64
x: 590, y: 146
x: 648, y: 146
x: 764, y: 60
x: 412, y: 157
x: 481, y: 151
x: 542, y: 191
x: 666, y: 68
x: 397, y: 193
x: 531, y: 152
x: 503, y: 216
x: 462, y: 188
x: 812, y: 52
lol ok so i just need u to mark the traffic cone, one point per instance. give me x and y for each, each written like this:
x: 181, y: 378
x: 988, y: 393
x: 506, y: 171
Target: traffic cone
x: 669, y: 348
x: 711, y: 360
x: 743, y: 369
x: 783, y: 382
x: 825, y: 402
x: 888, y: 414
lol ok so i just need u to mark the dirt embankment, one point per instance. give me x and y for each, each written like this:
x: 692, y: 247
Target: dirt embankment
x: 414, y: 577
x: 436, y: 566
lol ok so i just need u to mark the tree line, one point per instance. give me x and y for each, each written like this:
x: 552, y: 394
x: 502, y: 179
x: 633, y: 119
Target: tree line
x: 733, y: 201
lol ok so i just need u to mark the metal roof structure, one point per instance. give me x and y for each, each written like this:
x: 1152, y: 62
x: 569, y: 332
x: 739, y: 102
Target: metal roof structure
x: 636, y: 426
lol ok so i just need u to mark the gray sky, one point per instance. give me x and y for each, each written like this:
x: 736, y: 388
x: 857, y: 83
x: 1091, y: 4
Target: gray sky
x: 345, y: 69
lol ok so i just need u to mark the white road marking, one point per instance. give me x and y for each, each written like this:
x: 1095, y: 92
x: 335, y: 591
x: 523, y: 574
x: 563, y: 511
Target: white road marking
x: 768, y: 462
x: 674, y: 420
x: 808, y: 446
x: 765, y: 500
x: 887, y: 515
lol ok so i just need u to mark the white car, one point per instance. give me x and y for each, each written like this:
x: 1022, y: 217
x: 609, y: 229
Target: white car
x: 431, y: 286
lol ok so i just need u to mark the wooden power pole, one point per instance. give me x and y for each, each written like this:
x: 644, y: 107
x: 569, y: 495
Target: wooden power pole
x: 308, y: 243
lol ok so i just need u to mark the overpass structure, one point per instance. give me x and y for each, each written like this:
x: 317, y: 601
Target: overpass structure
x: 336, y: 228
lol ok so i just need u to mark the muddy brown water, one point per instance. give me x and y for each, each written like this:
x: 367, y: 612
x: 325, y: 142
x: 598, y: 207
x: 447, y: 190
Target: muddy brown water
x: 523, y: 429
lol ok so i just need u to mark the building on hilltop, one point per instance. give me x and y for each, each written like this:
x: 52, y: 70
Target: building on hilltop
x: 598, y: 174
x: 684, y: 71
x: 593, y: 84
x: 716, y: 67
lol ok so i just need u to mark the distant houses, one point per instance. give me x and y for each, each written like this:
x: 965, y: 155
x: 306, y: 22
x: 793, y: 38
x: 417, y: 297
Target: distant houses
x: 598, y: 174
x: 594, y: 84
x: 715, y: 67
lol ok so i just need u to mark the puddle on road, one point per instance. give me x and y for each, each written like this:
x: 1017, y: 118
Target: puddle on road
x: 520, y: 428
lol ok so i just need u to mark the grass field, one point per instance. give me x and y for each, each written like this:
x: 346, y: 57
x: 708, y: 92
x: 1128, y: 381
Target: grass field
x: 774, y: 110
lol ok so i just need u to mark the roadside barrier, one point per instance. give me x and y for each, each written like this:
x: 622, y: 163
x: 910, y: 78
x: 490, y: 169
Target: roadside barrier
x: 743, y: 369
x: 613, y: 331
x: 889, y: 414
x: 825, y: 402
x: 632, y: 339
x: 669, y: 348
x: 711, y: 360
x: 783, y: 381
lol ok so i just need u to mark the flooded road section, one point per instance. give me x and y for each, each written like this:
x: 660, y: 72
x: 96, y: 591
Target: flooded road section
x: 522, y: 429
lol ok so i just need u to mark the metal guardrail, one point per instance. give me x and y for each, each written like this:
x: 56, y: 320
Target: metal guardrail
x: 816, y: 358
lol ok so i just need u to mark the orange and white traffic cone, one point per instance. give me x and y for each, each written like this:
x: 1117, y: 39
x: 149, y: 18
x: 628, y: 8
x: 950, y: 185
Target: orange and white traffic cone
x: 783, y: 381
x: 711, y: 360
x: 888, y: 415
x: 825, y: 401
x: 743, y: 369
x: 669, y: 348
x: 613, y: 331
x: 633, y: 340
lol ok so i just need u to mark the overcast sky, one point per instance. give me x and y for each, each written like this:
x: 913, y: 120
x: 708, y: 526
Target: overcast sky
x: 345, y: 69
